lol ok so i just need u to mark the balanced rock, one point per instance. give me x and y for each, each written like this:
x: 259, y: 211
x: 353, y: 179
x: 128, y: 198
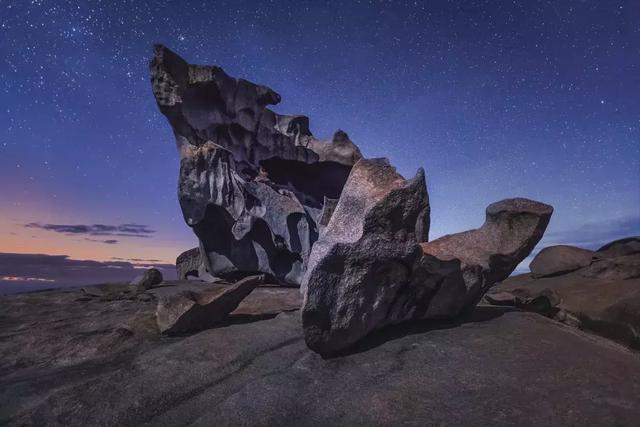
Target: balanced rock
x: 560, y: 259
x: 621, y: 247
x: 369, y: 268
x: 149, y: 279
x: 252, y: 183
x: 190, y: 311
x: 490, y: 253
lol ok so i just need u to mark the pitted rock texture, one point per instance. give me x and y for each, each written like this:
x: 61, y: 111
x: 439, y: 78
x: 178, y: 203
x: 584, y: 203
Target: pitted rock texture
x: 189, y: 264
x: 372, y: 267
x: 490, y: 253
x: 252, y: 183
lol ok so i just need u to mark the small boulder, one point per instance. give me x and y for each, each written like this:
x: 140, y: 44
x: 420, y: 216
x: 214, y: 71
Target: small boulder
x: 621, y: 247
x: 560, y: 259
x: 369, y: 269
x: 190, y: 311
x: 501, y: 298
x: 148, y: 280
x: 189, y: 263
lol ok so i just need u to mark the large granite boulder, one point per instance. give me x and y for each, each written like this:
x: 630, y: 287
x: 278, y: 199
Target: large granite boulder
x: 490, y: 253
x: 621, y: 247
x: 253, y: 183
x: 371, y: 267
x: 366, y: 256
x: 560, y: 259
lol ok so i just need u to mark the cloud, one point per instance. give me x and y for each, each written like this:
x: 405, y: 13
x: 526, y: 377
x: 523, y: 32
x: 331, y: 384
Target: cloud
x: 593, y: 235
x: 108, y: 241
x: 61, y: 271
x: 122, y: 230
x: 136, y: 260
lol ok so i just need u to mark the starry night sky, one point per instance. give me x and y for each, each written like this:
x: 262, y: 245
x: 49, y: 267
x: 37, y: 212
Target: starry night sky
x: 496, y: 99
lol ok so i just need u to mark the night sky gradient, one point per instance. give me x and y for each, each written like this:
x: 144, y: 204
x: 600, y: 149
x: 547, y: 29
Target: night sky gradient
x: 495, y: 99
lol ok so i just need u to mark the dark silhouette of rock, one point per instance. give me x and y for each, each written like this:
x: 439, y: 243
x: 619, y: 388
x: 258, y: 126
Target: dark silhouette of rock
x: 96, y: 363
x: 190, y: 311
x: 149, y: 279
x: 252, y: 182
x: 490, y: 254
x: 189, y: 264
x: 560, y: 259
x: 621, y: 247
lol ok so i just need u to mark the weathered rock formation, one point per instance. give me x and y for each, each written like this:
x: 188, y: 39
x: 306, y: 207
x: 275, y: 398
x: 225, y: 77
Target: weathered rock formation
x: 602, y: 296
x: 489, y: 254
x: 369, y: 268
x: 560, y: 259
x: 190, y: 264
x: 190, y: 310
x: 149, y: 279
x: 253, y: 184
x: 621, y: 247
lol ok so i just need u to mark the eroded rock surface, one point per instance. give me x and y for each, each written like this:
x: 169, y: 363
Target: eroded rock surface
x: 195, y: 310
x: 560, y: 259
x: 603, y: 296
x: 190, y: 264
x: 369, y: 268
x: 490, y: 253
x: 252, y: 182
x: 72, y: 363
x: 621, y: 247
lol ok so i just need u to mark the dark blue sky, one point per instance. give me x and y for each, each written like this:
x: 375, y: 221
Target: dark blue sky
x: 495, y: 99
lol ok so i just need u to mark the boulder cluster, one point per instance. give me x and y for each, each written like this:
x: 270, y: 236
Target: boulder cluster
x: 264, y: 196
x: 596, y: 290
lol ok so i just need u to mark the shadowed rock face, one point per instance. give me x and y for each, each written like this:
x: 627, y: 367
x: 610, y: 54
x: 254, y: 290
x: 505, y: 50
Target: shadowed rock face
x: 363, y: 264
x: 369, y: 269
x: 193, y: 311
x: 490, y: 253
x: 252, y: 183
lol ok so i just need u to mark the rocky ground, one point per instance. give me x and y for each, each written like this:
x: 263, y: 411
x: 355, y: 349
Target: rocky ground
x: 597, y: 291
x: 96, y: 357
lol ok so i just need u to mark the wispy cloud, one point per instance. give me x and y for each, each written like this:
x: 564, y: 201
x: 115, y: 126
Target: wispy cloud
x: 593, y: 235
x: 60, y: 270
x: 122, y: 230
x: 136, y: 260
x: 108, y: 241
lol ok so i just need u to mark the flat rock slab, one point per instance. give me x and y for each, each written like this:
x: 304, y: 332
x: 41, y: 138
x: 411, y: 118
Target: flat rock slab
x: 497, y: 368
